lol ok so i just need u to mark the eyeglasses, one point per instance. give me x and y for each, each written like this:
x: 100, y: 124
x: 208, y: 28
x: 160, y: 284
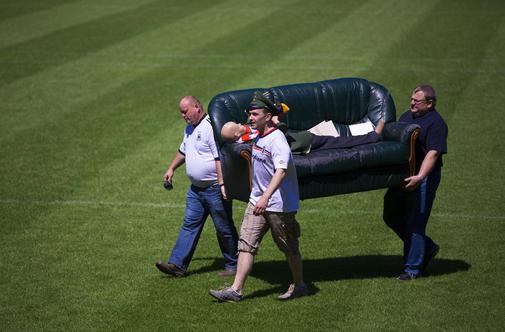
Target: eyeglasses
x: 417, y: 101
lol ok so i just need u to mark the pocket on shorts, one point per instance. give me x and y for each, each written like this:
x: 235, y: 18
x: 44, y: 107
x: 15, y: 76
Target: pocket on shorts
x: 292, y: 229
x: 285, y: 224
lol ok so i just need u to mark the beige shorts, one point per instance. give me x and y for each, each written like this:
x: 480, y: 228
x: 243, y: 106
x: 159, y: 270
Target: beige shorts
x: 285, y: 231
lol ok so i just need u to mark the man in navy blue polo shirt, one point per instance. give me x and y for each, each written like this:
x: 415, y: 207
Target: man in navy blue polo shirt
x: 407, y: 209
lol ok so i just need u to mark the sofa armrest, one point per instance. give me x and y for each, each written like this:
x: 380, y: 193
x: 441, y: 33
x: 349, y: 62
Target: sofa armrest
x: 405, y: 133
x: 399, y: 131
x: 236, y: 166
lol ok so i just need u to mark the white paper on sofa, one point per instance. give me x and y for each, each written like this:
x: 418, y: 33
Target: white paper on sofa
x: 325, y: 128
x: 361, y: 128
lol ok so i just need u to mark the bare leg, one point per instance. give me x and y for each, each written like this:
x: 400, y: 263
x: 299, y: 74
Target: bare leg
x: 298, y: 287
x: 244, y: 267
x: 296, y: 266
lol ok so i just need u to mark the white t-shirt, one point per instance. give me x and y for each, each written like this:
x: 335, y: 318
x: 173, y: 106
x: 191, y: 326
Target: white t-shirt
x: 269, y: 152
x: 199, y: 149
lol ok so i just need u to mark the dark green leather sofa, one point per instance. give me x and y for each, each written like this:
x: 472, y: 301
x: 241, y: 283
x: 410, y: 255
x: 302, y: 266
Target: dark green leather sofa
x: 345, y: 101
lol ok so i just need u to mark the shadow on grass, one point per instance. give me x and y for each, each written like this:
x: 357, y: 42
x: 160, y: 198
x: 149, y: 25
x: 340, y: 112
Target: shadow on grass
x: 334, y: 269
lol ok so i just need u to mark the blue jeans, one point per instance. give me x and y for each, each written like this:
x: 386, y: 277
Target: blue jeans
x: 407, y: 213
x: 200, y: 202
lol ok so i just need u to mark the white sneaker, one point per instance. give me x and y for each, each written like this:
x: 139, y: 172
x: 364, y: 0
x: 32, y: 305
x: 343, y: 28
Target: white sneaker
x: 294, y: 291
x: 226, y: 294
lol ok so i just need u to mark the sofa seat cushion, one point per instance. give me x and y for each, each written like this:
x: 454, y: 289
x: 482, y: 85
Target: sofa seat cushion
x: 333, y: 161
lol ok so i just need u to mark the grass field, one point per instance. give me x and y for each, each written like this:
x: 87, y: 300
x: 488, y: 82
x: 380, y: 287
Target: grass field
x: 89, y: 122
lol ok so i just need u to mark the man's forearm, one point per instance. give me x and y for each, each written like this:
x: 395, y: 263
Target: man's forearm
x: 428, y: 163
x: 279, y: 175
x: 219, y: 172
x: 178, y: 160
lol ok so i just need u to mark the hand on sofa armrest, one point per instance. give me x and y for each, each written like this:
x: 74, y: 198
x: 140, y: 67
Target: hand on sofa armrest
x: 398, y: 131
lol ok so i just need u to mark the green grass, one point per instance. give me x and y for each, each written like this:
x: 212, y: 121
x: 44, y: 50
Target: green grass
x: 89, y: 92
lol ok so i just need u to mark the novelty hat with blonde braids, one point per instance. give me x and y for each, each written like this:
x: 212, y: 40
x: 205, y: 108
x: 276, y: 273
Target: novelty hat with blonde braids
x: 264, y: 101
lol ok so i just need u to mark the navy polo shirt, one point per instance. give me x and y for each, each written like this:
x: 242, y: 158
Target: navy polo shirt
x: 433, y: 135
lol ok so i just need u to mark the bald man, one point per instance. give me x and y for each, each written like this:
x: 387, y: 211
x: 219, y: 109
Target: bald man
x: 205, y: 196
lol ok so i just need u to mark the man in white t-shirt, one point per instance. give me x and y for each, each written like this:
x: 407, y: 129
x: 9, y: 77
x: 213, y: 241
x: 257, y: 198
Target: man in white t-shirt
x: 205, y: 196
x: 273, y: 203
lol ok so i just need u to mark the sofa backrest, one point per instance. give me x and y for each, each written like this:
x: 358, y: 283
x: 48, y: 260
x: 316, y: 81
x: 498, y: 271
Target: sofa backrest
x: 345, y: 101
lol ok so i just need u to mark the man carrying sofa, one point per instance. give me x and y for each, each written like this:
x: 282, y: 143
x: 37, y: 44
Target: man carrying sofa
x: 273, y: 203
x: 407, y: 209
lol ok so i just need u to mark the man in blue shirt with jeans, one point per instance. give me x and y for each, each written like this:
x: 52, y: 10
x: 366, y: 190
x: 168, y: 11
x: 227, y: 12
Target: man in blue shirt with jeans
x: 407, y: 209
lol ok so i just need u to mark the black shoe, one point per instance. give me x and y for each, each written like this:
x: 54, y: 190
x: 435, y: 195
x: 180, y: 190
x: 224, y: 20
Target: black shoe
x: 170, y: 269
x: 428, y: 258
x: 407, y: 276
